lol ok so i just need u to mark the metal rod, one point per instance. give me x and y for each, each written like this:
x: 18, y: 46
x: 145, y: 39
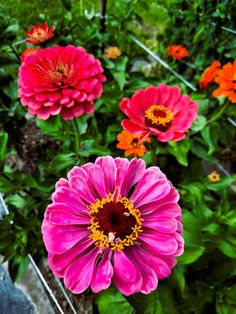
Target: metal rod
x: 233, y: 122
x: 103, y: 16
x: 162, y: 62
x: 3, y: 205
x: 45, y: 283
x: 224, y: 28
x: 65, y: 294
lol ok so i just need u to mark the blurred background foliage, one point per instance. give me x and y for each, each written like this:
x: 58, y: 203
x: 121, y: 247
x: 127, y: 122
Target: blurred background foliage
x: 34, y: 154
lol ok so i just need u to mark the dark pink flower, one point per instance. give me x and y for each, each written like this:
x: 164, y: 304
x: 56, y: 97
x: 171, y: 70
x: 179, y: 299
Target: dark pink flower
x: 160, y: 111
x: 62, y: 80
x: 113, y: 221
x: 39, y: 33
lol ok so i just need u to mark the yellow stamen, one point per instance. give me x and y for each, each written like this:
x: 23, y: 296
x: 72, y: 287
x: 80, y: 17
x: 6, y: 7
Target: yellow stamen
x: 109, y: 240
x: 163, y: 116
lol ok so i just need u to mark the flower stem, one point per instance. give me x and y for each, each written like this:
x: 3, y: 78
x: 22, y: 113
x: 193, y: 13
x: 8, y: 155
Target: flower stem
x: 153, y: 151
x: 77, y: 136
x: 218, y: 114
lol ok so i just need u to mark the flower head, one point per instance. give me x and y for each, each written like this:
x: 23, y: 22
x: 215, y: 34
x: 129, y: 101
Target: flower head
x: 39, y: 33
x: 27, y: 52
x: 214, y: 177
x: 160, y: 111
x: 112, y: 53
x: 62, y: 80
x: 115, y: 221
x: 226, y: 78
x: 209, y: 74
x: 132, y: 144
x: 177, y: 51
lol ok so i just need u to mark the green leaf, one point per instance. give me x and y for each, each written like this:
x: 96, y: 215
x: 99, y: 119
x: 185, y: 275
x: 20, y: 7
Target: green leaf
x: 144, y: 303
x: 62, y: 161
x: 3, y: 146
x: 53, y: 127
x: 210, y: 135
x: 121, y: 64
x: 112, y: 301
x: 16, y: 200
x: 89, y: 148
x: 199, y: 124
x: 120, y: 79
x: 229, y: 249
x: 220, y: 185
x: 191, y: 253
x: 180, y: 150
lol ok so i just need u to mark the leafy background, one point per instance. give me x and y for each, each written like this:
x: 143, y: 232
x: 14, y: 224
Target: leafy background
x: 34, y: 154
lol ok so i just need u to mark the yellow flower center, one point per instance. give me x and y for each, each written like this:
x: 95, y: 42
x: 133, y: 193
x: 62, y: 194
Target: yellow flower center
x: 114, y: 224
x: 158, y: 117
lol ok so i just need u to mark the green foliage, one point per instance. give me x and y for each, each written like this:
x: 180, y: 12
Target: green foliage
x: 33, y: 159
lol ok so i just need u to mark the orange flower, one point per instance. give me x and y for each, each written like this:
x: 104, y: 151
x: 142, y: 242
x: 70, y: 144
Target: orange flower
x: 214, y: 177
x: 39, y: 33
x: 209, y: 74
x: 177, y: 52
x: 226, y: 78
x: 112, y: 53
x: 27, y: 52
x: 133, y: 144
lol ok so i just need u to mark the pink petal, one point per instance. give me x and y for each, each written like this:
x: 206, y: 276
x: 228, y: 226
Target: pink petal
x: 109, y: 169
x: 58, y: 262
x: 162, y: 223
x: 123, y: 267
x: 79, y: 273
x: 161, y: 243
x: 59, y: 239
x: 133, y: 175
x: 102, y: 274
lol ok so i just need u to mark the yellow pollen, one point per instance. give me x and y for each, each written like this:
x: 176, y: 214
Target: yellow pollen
x: 159, y: 115
x: 110, y: 240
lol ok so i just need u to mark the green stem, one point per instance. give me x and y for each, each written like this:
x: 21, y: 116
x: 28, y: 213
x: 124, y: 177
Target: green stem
x: 81, y: 7
x: 77, y: 136
x: 153, y: 151
x: 218, y: 114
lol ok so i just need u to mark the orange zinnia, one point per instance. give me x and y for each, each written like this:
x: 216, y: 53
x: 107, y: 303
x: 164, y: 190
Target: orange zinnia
x: 209, y: 74
x: 133, y: 144
x: 40, y: 33
x: 112, y: 53
x: 226, y: 78
x: 27, y: 52
x: 177, y: 51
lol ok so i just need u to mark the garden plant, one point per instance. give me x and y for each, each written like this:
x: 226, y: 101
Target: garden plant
x: 117, y: 150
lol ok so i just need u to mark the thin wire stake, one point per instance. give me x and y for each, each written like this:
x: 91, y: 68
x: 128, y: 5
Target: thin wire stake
x: 224, y: 28
x: 65, y: 295
x: 233, y: 122
x: 3, y: 205
x: 162, y: 62
x: 45, y: 283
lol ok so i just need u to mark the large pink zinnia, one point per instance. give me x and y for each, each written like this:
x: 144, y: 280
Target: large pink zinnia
x: 160, y: 111
x: 62, y: 80
x: 113, y: 221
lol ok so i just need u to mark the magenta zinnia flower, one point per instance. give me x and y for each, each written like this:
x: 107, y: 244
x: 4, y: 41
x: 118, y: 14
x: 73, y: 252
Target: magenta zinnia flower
x: 62, y: 80
x: 160, y: 111
x: 113, y: 221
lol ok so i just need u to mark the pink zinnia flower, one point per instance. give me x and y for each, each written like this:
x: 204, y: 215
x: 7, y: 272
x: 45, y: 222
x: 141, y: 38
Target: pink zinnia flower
x: 62, y: 80
x: 113, y: 221
x: 159, y: 111
x: 39, y: 33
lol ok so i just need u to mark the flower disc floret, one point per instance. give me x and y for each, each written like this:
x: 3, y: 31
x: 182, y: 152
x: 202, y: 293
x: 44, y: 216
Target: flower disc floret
x: 113, y: 221
x: 63, y: 80
x: 114, y: 224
